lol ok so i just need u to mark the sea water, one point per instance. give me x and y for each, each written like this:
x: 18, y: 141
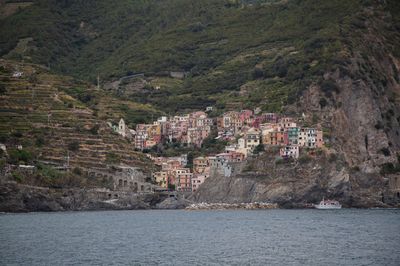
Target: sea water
x: 179, y: 237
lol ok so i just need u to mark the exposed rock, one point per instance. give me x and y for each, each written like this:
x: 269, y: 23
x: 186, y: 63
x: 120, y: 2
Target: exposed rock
x: 173, y: 203
x: 22, y: 198
x: 227, y: 206
x: 294, y: 184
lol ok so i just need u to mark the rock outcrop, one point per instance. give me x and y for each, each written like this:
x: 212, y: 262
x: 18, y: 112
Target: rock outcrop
x: 297, y: 184
x: 22, y: 198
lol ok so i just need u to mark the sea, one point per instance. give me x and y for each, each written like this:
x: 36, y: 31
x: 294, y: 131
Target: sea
x: 180, y: 237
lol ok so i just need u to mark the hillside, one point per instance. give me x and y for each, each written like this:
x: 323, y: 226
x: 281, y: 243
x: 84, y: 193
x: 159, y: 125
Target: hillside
x: 54, y: 129
x: 358, y: 105
x: 335, y: 63
x: 235, y: 54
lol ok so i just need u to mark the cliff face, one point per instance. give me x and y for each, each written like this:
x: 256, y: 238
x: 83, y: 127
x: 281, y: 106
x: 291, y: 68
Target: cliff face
x: 363, y: 110
x: 23, y: 198
x: 357, y: 103
x: 294, y: 184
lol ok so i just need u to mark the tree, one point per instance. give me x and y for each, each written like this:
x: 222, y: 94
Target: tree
x: 259, y: 148
x: 73, y: 146
x: 17, y: 156
x: 3, y: 89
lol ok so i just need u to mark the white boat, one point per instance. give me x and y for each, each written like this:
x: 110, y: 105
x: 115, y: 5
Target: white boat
x: 328, y: 205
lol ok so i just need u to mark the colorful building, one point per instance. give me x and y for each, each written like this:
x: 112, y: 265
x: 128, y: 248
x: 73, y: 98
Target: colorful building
x: 161, y: 178
x: 289, y: 152
x: 197, y: 180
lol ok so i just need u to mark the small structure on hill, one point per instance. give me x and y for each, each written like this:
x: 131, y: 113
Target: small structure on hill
x: 122, y: 128
x: 209, y: 108
x: 17, y: 74
x: 3, y: 147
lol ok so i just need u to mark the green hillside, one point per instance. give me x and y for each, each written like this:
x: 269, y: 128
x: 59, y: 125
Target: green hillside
x: 46, y: 120
x: 236, y: 54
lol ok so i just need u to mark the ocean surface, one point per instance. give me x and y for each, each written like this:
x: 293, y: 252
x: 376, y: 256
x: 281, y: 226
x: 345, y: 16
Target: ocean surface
x: 264, y: 237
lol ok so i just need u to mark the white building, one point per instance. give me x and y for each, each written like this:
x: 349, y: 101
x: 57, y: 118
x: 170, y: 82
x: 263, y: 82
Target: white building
x: 307, y: 137
x: 122, y: 128
x: 290, y: 152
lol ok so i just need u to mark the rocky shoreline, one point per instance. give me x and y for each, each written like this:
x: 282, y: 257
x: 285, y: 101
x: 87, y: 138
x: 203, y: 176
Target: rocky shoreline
x: 232, y: 206
x: 16, y: 198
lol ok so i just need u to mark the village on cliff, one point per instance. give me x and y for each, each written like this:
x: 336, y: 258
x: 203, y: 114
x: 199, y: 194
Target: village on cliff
x: 245, y: 132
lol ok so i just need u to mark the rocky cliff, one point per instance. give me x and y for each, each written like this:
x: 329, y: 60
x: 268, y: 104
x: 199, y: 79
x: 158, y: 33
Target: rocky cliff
x: 16, y: 197
x: 298, y: 183
x: 357, y: 104
x: 362, y: 106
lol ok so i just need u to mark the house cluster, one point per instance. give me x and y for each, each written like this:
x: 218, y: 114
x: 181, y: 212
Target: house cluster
x: 190, y: 129
x: 251, y: 129
x: 176, y: 175
x: 245, y: 131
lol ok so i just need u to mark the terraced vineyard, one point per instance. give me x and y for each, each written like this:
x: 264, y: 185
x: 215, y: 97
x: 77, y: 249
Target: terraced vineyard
x: 58, y: 129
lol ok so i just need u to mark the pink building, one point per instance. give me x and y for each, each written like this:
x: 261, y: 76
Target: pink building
x: 197, y: 180
x: 245, y: 114
x: 183, y: 179
x: 319, y: 142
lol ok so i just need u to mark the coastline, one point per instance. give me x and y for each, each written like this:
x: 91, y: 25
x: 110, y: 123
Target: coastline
x: 17, y: 198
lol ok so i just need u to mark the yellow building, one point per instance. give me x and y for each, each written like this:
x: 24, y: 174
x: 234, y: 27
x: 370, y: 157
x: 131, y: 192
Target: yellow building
x: 161, y: 178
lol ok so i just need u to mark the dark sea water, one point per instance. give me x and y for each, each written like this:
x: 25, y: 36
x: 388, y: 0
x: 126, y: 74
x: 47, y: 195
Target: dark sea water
x: 265, y: 237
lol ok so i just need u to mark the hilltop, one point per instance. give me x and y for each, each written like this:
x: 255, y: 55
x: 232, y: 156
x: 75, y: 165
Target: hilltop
x: 234, y: 54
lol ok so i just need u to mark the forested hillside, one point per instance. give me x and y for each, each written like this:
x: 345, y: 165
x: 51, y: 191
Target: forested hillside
x: 234, y: 53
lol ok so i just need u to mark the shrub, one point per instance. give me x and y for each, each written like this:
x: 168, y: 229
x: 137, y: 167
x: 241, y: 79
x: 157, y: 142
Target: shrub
x: 304, y: 159
x: 258, y: 149
x: 17, y: 156
x: 257, y: 73
x: 332, y: 157
x: 17, y: 176
x: 39, y: 141
x: 329, y: 86
x: 385, y: 151
x: 279, y: 160
x: 379, y: 125
x: 389, y: 168
x: 85, y: 98
x: 17, y: 134
x: 314, y: 119
x: 112, y: 158
x: 73, y: 146
x: 323, y: 102
x: 3, y: 89
x: 77, y: 171
x: 94, y: 130
x: 49, y: 174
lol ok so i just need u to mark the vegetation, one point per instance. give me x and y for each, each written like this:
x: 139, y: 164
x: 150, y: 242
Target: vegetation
x: 73, y: 146
x: 16, y: 156
x: 230, y: 61
x: 390, y: 168
x: 112, y: 158
x: 304, y: 159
